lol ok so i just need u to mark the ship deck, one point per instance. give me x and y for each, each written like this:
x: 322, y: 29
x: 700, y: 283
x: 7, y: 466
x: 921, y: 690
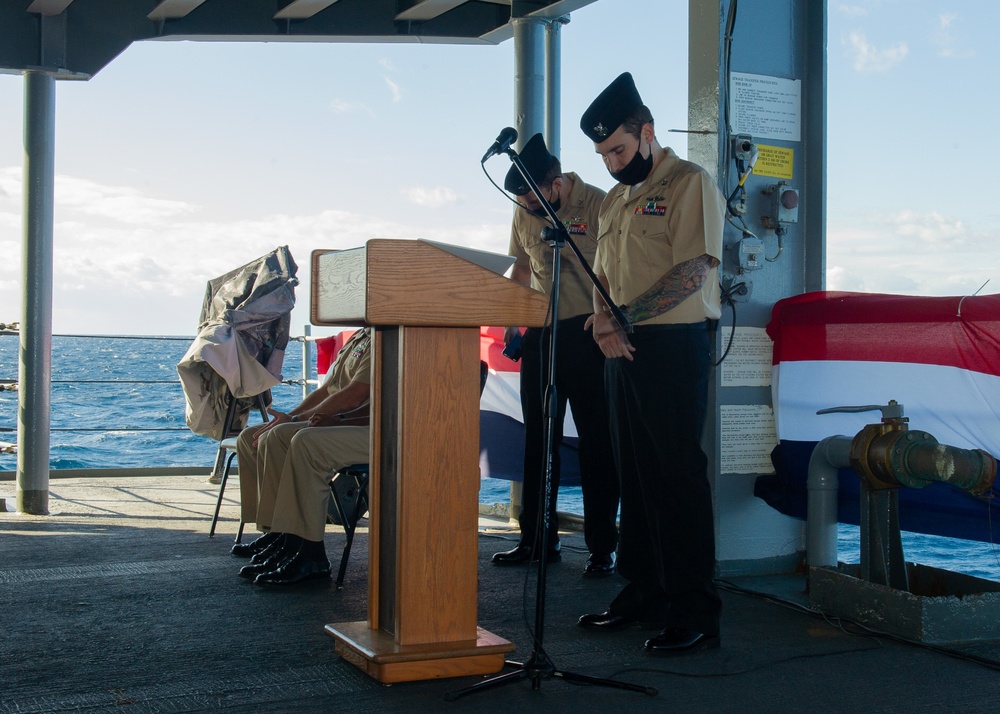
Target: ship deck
x: 119, y: 601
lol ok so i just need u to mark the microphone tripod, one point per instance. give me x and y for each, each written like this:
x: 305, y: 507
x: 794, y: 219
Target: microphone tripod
x: 539, y: 666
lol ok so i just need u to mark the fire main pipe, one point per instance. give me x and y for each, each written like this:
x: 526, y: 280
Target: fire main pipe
x: 886, y: 456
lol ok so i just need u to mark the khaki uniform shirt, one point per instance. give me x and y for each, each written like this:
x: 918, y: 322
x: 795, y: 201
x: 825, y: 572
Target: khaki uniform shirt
x: 675, y: 215
x: 353, y: 363
x: 579, y: 213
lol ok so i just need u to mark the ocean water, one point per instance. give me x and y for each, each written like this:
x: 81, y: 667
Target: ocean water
x: 138, y: 419
x: 118, y: 403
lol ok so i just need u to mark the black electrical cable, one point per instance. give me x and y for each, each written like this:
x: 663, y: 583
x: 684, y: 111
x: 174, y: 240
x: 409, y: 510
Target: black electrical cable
x: 732, y: 330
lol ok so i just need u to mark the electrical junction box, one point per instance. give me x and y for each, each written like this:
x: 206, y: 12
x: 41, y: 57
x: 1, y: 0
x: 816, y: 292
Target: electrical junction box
x: 751, y: 254
x: 787, y: 205
x: 743, y: 148
x: 784, y: 206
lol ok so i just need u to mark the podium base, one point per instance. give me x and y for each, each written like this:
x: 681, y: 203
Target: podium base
x: 378, y: 655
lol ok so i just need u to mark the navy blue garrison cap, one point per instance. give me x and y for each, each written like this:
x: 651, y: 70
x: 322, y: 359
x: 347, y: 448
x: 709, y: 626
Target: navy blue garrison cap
x: 612, y: 107
x: 537, y: 161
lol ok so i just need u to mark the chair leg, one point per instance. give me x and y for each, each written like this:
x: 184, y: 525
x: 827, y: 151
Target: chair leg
x: 219, y: 460
x: 350, y: 523
x: 222, y: 491
x: 349, y: 532
x: 342, y: 571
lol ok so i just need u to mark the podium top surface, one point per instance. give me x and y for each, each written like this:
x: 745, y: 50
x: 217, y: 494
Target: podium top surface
x: 422, y: 283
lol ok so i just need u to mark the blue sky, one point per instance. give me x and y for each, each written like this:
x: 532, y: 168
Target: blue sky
x: 912, y: 94
x: 180, y: 160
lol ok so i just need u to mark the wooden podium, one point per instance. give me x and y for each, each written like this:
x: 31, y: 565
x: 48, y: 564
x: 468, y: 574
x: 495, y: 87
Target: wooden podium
x: 426, y: 302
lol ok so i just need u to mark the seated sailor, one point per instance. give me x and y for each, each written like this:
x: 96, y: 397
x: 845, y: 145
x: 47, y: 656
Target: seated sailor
x: 286, y: 466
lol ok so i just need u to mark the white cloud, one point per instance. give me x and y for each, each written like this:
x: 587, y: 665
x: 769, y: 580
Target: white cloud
x: 946, y: 41
x: 146, y: 275
x: 868, y: 58
x: 851, y: 10
x: 10, y: 221
x: 841, y: 278
x: 397, y: 95
x: 75, y: 198
x: 10, y: 182
x: 340, y: 106
x: 119, y: 267
x: 119, y: 203
x: 909, y: 253
x: 430, y: 197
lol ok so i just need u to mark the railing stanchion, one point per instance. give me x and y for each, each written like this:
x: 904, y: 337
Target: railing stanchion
x: 306, y: 332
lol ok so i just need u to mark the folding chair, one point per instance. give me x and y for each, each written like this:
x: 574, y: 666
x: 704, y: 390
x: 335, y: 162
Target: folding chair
x: 227, y: 452
x: 348, y: 503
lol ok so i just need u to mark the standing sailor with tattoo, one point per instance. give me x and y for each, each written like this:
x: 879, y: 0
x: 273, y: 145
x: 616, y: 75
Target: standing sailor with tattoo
x: 658, y: 252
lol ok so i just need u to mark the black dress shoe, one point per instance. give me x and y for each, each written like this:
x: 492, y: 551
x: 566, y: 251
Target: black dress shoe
x: 270, y: 549
x: 522, y: 554
x: 248, y: 550
x: 600, y: 565
x: 276, y: 557
x: 675, y: 641
x: 297, y: 570
x: 605, y: 622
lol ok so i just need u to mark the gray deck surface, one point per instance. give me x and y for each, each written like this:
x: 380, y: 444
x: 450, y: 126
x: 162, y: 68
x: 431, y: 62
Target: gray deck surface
x: 119, y: 601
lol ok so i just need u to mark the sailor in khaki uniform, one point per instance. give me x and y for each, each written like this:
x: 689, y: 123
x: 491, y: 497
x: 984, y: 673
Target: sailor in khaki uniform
x: 286, y: 466
x: 580, y: 363
x: 659, y: 247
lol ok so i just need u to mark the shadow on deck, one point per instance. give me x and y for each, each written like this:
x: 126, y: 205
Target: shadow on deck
x: 120, y: 602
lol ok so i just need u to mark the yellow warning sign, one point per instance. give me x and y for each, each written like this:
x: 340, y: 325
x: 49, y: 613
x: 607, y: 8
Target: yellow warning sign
x: 774, y: 161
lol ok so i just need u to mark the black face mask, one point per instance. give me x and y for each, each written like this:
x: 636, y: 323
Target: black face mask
x: 541, y: 211
x: 636, y: 171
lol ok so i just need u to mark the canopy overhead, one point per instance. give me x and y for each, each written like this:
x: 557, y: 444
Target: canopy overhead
x: 75, y: 39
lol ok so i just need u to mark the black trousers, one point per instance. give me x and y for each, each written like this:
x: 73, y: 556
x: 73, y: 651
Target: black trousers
x: 579, y: 380
x: 667, y: 549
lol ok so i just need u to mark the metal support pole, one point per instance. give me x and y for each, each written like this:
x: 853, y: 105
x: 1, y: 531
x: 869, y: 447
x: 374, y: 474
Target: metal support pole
x: 882, y: 560
x: 553, y: 83
x: 704, y: 91
x: 530, y: 52
x: 35, y: 358
x: 306, y: 333
x: 529, y: 78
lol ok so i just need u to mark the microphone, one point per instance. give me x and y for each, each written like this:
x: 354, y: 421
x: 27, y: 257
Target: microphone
x: 507, y: 136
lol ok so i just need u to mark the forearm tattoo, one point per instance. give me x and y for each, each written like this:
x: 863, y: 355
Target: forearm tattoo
x: 671, y: 290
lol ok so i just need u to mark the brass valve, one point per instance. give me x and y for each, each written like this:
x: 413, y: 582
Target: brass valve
x: 888, y: 455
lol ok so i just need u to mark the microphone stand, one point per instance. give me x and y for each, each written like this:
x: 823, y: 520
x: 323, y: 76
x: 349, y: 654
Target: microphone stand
x: 539, y: 666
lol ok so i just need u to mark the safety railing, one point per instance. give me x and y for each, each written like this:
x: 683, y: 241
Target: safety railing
x: 95, y: 394
x: 126, y: 443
